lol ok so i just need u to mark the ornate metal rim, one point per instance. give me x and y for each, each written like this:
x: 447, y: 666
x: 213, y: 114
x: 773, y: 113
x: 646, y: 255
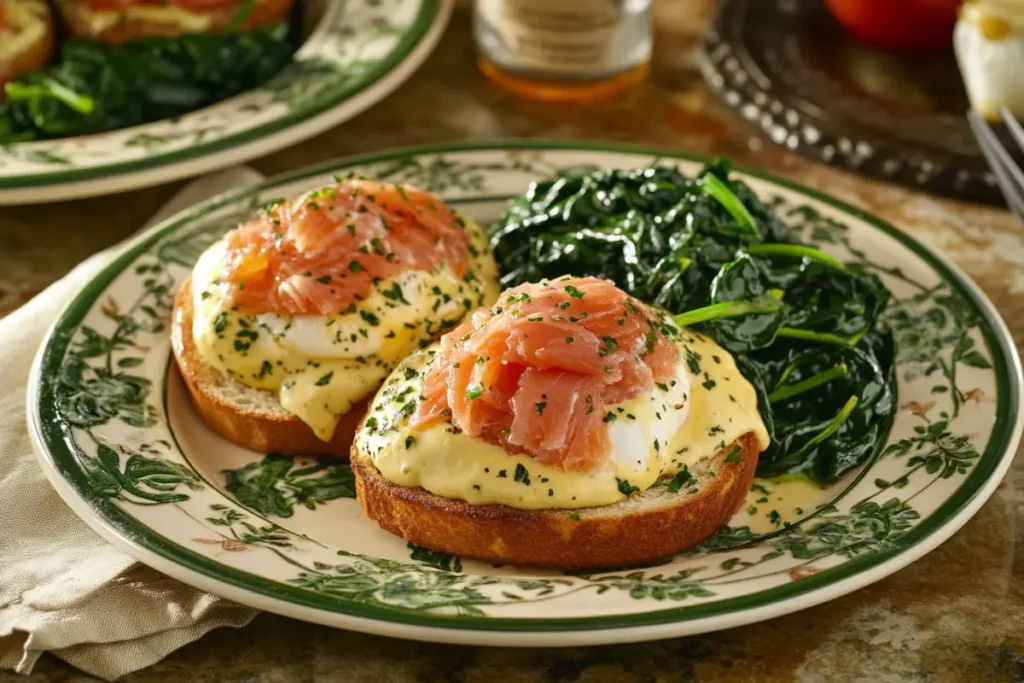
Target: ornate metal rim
x: 790, y: 121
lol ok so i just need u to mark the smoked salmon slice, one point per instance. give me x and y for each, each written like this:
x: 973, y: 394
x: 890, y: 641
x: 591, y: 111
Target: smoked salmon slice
x: 320, y: 253
x: 534, y: 373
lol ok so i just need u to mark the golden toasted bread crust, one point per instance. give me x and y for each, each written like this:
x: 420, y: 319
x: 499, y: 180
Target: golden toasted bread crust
x: 612, y: 536
x: 257, y: 431
x: 265, y: 12
x: 35, y: 57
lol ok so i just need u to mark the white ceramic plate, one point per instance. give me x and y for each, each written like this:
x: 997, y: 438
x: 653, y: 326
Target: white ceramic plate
x: 358, y: 52
x: 118, y: 438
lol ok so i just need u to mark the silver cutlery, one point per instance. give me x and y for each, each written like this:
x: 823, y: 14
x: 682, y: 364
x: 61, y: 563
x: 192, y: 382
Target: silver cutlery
x: 1008, y: 173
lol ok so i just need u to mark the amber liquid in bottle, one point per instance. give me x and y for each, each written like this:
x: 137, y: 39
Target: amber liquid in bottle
x: 564, y: 50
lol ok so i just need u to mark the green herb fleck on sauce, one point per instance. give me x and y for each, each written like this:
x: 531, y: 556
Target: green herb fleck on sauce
x: 625, y: 488
x: 394, y: 292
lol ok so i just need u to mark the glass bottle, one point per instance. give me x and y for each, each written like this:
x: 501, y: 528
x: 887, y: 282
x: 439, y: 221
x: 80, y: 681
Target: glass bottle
x: 564, y: 50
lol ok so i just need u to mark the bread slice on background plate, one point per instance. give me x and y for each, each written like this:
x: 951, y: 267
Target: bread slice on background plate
x: 251, y: 418
x: 645, y: 528
x: 26, y: 38
x: 132, y: 21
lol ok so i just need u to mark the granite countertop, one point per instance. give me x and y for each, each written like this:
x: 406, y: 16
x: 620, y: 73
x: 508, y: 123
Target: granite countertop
x: 955, y: 615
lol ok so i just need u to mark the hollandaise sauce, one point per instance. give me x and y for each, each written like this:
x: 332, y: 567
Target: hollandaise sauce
x: 655, y: 436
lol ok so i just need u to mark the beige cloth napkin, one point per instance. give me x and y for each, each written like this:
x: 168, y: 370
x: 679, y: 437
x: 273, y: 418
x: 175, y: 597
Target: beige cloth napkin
x: 63, y: 589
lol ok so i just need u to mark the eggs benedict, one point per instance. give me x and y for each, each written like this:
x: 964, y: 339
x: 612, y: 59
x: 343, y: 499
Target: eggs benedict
x: 290, y: 322
x: 569, y: 426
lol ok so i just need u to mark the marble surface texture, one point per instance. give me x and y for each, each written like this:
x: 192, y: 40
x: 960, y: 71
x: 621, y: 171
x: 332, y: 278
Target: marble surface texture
x: 955, y: 615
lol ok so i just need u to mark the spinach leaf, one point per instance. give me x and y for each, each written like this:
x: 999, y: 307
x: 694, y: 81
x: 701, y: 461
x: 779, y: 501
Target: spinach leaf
x: 95, y: 87
x: 864, y: 372
x: 744, y: 280
x: 843, y: 302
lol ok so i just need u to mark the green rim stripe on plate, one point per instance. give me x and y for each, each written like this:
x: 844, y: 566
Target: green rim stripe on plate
x: 428, y: 11
x: 60, y: 447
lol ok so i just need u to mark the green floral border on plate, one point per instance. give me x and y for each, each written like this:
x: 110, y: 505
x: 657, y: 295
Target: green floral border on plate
x: 874, y: 531
x: 359, y: 42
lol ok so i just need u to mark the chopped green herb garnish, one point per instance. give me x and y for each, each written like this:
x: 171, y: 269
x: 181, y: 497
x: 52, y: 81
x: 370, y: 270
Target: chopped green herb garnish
x: 625, y: 488
x: 610, y: 345
x: 265, y: 369
x: 394, y: 292
x: 574, y: 293
x: 682, y: 478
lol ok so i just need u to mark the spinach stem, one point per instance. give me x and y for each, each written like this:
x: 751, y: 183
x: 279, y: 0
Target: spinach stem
x: 791, y: 368
x: 721, y: 193
x: 50, y: 88
x: 728, y: 309
x: 829, y: 429
x: 240, y: 16
x: 788, y: 391
x: 796, y: 250
x: 83, y: 104
x: 811, y: 335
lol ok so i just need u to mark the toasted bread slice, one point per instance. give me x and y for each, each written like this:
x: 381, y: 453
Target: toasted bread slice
x: 26, y: 16
x: 82, y: 21
x: 650, y: 526
x: 251, y: 418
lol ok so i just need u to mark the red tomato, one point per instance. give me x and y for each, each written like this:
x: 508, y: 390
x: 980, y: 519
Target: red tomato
x: 902, y: 25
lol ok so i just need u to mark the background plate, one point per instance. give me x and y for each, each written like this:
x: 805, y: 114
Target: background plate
x: 119, y: 440
x: 359, y: 52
